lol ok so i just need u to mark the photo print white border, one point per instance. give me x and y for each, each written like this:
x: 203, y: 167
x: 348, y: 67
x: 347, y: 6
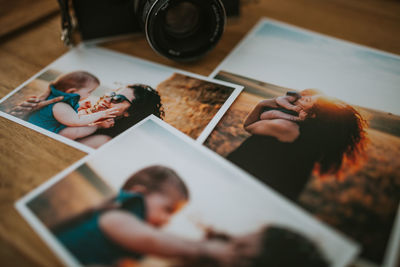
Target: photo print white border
x: 339, y: 249
x: 126, y: 59
x: 384, y: 98
x: 392, y: 253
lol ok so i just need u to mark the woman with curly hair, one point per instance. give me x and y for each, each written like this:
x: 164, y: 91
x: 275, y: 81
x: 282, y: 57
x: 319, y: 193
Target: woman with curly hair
x: 134, y: 103
x: 292, y: 136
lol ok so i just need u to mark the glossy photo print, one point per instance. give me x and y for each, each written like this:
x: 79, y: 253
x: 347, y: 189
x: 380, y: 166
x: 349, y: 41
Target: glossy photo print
x: 91, y: 95
x: 319, y: 123
x: 154, y: 197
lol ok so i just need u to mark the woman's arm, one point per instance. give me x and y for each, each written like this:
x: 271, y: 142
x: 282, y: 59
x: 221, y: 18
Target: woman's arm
x: 287, y: 102
x: 258, y: 109
x: 129, y: 232
x: 283, y: 130
x: 277, y: 114
x: 66, y: 115
x: 281, y: 101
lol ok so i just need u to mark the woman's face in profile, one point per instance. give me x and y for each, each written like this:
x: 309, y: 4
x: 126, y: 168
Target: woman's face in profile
x: 124, y: 105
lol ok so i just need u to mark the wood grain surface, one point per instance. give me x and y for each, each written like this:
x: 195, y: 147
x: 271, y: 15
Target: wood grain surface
x: 17, y: 14
x: 29, y: 158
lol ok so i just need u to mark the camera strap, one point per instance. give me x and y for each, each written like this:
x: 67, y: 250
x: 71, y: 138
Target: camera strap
x: 66, y: 23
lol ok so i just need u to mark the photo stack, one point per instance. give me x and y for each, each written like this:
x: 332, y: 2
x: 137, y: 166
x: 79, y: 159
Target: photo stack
x: 286, y: 155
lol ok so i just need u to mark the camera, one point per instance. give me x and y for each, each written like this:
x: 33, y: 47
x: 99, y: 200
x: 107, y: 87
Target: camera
x: 181, y: 30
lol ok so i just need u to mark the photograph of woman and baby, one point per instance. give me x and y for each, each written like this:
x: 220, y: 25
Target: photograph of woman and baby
x: 122, y: 230
x: 181, y: 206
x: 64, y: 108
x: 75, y: 99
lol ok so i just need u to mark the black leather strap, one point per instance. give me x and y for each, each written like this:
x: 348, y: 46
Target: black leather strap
x: 66, y: 23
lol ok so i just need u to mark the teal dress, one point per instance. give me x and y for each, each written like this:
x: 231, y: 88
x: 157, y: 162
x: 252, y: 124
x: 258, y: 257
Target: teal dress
x: 44, y: 117
x: 84, y: 239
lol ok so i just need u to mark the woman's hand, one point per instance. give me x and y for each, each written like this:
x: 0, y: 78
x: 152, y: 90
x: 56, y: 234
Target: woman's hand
x: 109, y: 113
x: 254, y: 115
x: 287, y: 102
x: 273, y: 122
x: 105, y: 124
x: 104, y: 104
x: 105, y: 118
x: 267, y: 103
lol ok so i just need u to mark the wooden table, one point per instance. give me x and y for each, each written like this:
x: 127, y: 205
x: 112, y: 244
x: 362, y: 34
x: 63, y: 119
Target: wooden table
x: 29, y: 158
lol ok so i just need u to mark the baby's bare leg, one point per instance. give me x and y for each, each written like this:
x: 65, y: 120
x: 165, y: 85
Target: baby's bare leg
x: 95, y: 141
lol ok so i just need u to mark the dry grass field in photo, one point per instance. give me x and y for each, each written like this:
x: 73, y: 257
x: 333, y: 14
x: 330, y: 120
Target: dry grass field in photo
x: 191, y: 103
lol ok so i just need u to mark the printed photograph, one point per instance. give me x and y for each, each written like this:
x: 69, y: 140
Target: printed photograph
x: 318, y: 123
x: 91, y: 95
x: 181, y: 206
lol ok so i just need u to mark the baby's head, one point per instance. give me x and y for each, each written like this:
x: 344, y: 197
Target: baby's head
x: 77, y: 82
x: 277, y: 246
x: 163, y: 190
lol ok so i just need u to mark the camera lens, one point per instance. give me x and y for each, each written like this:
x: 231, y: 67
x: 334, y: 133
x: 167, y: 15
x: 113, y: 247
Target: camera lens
x: 182, y: 20
x: 183, y: 30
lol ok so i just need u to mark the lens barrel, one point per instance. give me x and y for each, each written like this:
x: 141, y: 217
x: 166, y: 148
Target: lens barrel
x: 182, y: 30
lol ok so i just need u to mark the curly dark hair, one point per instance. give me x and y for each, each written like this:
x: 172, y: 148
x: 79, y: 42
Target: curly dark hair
x: 277, y: 246
x: 282, y: 247
x: 146, y: 101
x: 336, y: 130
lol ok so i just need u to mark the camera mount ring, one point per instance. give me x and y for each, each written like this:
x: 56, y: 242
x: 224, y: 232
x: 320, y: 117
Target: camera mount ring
x: 152, y: 7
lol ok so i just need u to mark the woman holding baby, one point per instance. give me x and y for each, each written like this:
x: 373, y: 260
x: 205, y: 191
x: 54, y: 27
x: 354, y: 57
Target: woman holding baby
x: 296, y: 135
x: 128, y: 227
x: 133, y: 103
x: 64, y: 110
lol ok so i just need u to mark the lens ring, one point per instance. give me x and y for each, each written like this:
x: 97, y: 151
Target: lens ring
x: 182, y: 20
x: 186, y: 48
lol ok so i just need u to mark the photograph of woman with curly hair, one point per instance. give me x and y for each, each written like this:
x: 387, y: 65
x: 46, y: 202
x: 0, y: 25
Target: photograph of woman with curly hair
x: 85, y: 104
x: 133, y: 103
x: 333, y: 150
x: 285, y: 147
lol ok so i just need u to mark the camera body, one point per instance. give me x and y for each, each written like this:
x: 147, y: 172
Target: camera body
x: 181, y: 30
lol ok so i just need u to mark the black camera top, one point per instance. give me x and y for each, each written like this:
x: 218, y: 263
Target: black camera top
x: 180, y: 30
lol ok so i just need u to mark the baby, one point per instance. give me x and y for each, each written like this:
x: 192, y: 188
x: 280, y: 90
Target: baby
x: 58, y: 117
x: 127, y: 226
x: 286, y: 109
x: 278, y: 117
